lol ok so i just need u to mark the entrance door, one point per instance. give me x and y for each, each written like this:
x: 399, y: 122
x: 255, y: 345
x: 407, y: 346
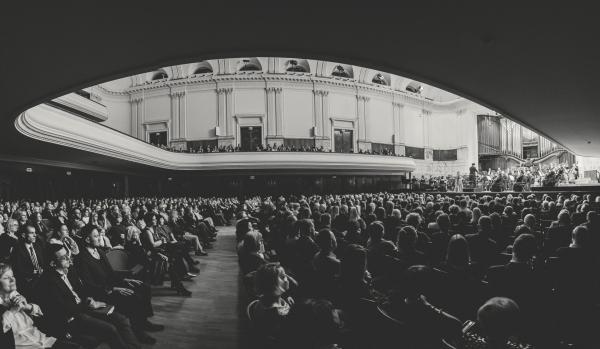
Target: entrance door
x: 158, y: 138
x: 251, y: 137
x: 343, y: 140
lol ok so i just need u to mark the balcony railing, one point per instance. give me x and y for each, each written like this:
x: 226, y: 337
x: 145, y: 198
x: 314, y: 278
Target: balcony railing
x: 79, y: 103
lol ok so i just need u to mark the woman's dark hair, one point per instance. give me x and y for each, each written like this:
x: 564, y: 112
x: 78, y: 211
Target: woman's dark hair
x: 375, y: 230
x: 458, y: 253
x: 326, y: 241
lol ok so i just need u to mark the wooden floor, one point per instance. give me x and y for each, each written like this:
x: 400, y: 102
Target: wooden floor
x: 213, y: 317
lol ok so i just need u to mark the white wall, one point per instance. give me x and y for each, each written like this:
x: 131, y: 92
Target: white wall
x: 381, y: 121
x: 342, y: 105
x: 250, y: 101
x: 201, y: 114
x: 119, y: 114
x: 157, y: 107
x: 298, y: 108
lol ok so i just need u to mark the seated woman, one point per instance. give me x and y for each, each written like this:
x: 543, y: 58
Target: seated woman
x: 270, y: 311
x: 8, y: 240
x: 16, y: 318
x: 62, y: 237
x: 251, y: 252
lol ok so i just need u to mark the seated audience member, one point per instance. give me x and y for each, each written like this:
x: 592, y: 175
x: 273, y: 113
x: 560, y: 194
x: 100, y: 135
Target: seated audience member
x: 458, y: 256
x: 483, y: 249
x: 28, y: 260
x: 70, y: 312
x: 325, y: 263
x: 41, y: 229
x: 131, y: 297
x: 518, y: 280
x: 425, y: 325
x: 9, y: 240
x: 303, y: 250
x: 439, y: 240
x: 407, y: 252
x: 176, y: 226
x: 498, y: 321
x: 313, y: 324
x: 18, y: 327
x: 577, y: 285
x: 61, y: 237
x: 414, y: 220
x: 559, y: 233
x: 270, y: 311
x: 380, y: 251
x: 355, y: 280
x: 251, y: 252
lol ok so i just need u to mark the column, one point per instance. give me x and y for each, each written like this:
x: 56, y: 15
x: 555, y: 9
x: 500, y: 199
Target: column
x: 225, y: 136
x: 318, y: 113
x: 174, y: 115
x: 137, y: 117
x: 229, y: 113
x: 183, y: 115
x: 426, y: 139
x: 279, y: 112
x: 398, y: 141
x: 325, y: 119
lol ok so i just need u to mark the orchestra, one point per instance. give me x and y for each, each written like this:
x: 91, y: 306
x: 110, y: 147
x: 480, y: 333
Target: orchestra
x: 516, y: 179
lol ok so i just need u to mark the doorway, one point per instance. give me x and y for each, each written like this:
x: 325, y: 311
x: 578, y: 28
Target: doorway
x: 343, y: 140
x: 158, y: 138
x: 250, y: 137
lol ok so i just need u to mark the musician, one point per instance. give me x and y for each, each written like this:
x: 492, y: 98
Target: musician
x: 458, y: 186
x: 472, y: 174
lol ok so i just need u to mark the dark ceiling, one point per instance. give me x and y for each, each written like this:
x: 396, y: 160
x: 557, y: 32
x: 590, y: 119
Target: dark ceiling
x: 532, y: 61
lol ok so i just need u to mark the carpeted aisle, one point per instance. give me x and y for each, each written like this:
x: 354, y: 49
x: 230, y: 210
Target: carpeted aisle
x: 212, y: 317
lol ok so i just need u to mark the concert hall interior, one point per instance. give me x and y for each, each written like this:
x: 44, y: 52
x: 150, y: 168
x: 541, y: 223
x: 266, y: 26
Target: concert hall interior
x: 305, y: 176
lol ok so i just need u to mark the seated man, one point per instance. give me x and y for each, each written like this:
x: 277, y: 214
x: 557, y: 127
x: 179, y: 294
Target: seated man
x: 69, y: 312
x: 27, y: 260
x: 131, y: 297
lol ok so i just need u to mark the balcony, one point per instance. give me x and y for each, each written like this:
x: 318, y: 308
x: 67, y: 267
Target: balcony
x: 79, y: 103
x: 47, y: 123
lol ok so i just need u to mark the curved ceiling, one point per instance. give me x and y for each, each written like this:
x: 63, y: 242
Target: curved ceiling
x: 535, y: 62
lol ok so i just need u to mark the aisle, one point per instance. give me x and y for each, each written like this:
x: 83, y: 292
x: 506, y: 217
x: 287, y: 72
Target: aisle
x: 210, y: 317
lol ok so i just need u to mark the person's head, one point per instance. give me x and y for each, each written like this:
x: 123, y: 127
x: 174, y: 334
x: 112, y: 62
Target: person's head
x: 524, y: 248
x: 271, y: 280
x: 325, y: 220
x: 59, y: 258
x: 414, y: 220
x: 407, y: 238
x: 23, y: 216
x: 28, y: 234
x: 306, y: 228
x: 458, y: 253
x: 580, y: 237
x: 485, y: 225
x: 375, y: 231
x: 443, y: 222
x: 151, y: 220
x: 140, y: 222
x: 326, y: 240
x: 91, y: 236
x: 8, y: 283
x: 354, y: 264
x: 564, y: 217
x: 253, y: 242
x: 63, y: 231
x: 529, y: 221
x: 499, y: 319
x: 13, y: 226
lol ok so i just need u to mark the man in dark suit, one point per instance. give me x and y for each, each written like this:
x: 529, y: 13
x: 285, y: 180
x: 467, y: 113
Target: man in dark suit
x: 559, y: 233
x: 69, y: 312
x: 27, y: 260
x: 484, y: 250
x: 131, y: 297
x: 439, y: 240
x: 518, y: 281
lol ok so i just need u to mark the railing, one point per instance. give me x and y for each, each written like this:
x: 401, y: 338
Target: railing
x: 77, y: 103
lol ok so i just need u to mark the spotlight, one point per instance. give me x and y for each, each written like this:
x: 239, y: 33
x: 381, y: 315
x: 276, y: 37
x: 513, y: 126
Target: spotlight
x: 68, y: 173
x: 28, y: 170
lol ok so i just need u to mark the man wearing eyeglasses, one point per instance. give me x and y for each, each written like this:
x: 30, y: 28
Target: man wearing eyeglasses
x: 27, y: 260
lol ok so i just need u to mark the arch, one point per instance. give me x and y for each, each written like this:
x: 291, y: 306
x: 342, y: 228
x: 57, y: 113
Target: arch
x: 342, y: 71
x: 157, y: 75
x: 200, y: 68
x: 381, y: 78
x: 248, y: 65
x: 297, y: 66
x: 414, y: 87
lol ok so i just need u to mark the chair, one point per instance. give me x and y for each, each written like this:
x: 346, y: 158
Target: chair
x: 248, y: 309
x: 119, y: 261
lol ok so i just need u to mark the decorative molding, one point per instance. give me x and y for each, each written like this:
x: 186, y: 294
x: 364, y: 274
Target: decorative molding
x: 363, y: 98
x: 81, y: 105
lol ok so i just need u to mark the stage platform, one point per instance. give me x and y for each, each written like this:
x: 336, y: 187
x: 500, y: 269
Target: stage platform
x: 565, y: 188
